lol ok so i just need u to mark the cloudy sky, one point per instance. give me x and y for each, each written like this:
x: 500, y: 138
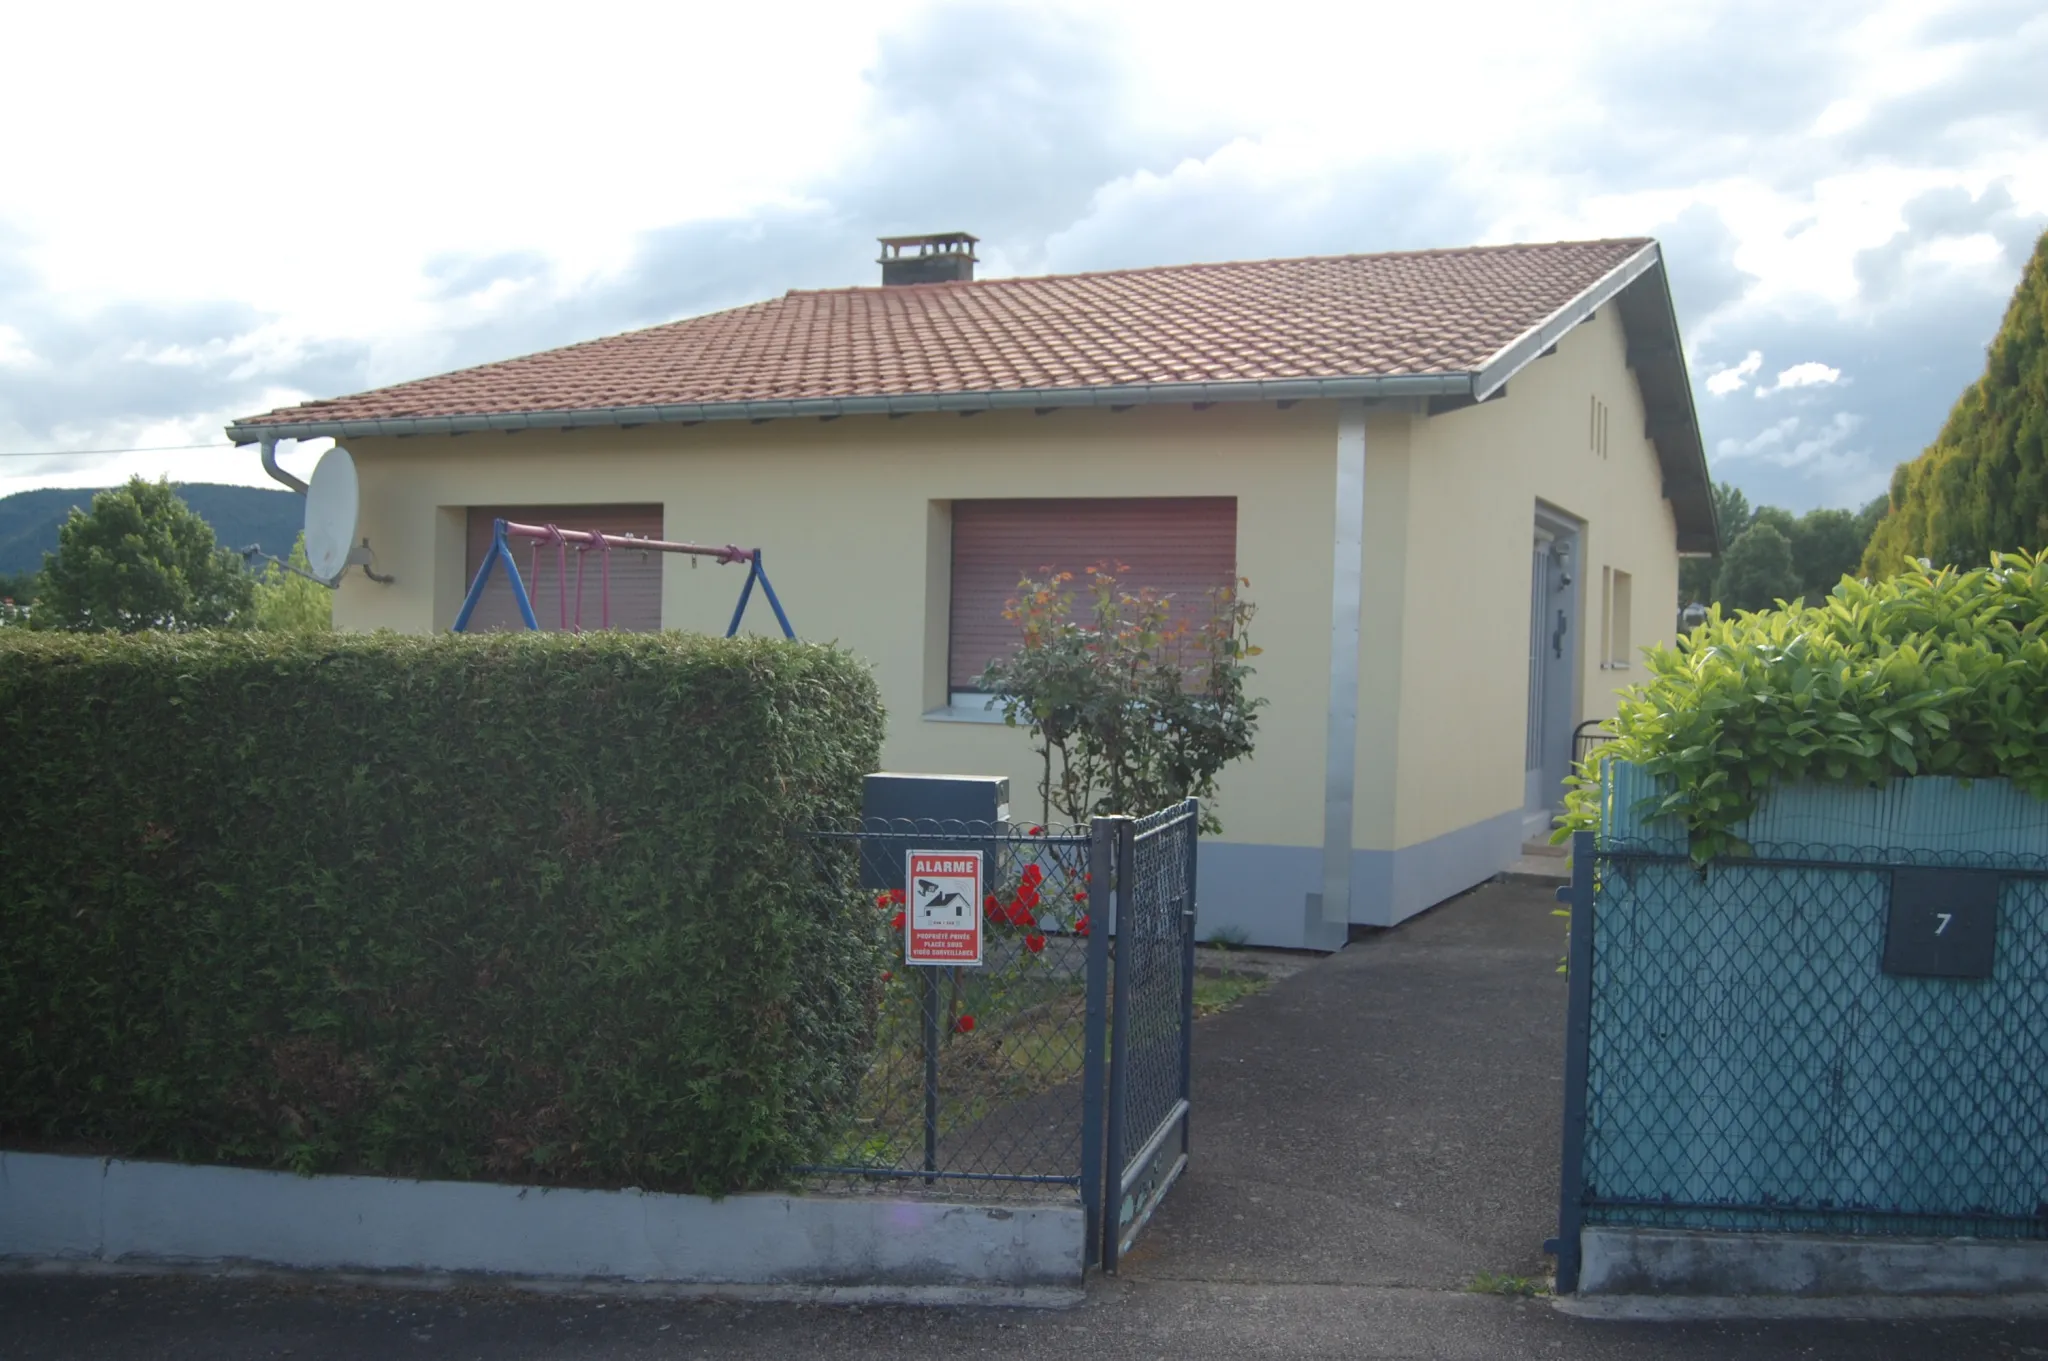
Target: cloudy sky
x: 207, y: 210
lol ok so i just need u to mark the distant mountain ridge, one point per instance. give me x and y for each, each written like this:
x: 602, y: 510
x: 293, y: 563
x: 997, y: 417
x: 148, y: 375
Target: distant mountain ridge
x: 240, y: 516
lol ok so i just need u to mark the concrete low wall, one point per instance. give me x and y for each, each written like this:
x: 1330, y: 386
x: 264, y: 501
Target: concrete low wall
x: 74, y: 1209
x: 1618, y: 1261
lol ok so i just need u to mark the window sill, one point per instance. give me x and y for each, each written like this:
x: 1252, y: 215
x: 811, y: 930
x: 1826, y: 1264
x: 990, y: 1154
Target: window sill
x: 967, y: 707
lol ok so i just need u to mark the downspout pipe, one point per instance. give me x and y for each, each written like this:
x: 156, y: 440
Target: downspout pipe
x: 268, y: 444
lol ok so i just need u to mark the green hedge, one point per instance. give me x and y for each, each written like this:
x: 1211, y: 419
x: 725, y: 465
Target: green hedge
x: 1925, y: 673
x: 522, y: 908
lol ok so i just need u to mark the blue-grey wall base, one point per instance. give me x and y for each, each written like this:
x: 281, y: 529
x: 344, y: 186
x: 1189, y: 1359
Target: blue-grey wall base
x: 86, y: 1210
x: 1272, y: 895
x: 1389, y: 887
x: 1624, y: 1261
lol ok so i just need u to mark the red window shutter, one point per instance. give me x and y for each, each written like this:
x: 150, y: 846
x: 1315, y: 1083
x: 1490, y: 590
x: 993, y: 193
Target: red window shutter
x: 636, y: 576
x: 1186, y: 546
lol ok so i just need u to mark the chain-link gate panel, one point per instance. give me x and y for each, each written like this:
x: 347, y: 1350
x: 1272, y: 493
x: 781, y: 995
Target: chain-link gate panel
x: 1152, y: 1019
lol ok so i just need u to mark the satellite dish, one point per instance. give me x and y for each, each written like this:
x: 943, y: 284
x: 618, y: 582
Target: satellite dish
x: 331, y: 501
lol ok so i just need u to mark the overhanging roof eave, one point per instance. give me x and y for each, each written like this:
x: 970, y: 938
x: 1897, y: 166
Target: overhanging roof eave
x: 1380, y: 387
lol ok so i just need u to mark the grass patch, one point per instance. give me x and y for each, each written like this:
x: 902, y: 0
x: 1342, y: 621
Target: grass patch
x: 1514, y: 1287
x: 1220, y: 992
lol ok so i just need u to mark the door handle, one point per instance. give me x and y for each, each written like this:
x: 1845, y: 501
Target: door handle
x: 1557, y: 636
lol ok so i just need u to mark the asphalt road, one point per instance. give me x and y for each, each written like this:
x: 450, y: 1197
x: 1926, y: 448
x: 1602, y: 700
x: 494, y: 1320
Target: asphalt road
x: 1371, y: 1134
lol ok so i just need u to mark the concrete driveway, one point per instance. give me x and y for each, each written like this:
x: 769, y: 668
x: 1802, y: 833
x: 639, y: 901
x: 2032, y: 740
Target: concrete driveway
x: 1371, y: 1134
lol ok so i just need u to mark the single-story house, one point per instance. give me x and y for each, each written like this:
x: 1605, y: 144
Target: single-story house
x: 1458, y: 481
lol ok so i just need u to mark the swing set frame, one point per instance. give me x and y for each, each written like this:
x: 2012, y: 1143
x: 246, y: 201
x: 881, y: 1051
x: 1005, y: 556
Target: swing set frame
x: 586, y: 542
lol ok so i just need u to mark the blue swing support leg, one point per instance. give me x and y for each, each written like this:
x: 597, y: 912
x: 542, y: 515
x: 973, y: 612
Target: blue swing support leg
x: 499, y: 552
x: 757, y: 573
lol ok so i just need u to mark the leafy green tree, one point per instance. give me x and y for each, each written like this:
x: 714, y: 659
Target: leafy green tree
x: 1777, y: 517
x: 1731, y: 515
x: 1982, y: 486
x: 140, y: 559
x: 1757, y: 570
x: 1827, y: 545
x: 285, y: 602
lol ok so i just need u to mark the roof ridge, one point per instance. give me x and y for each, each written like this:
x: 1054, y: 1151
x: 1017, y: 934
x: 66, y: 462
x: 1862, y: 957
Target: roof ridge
x: 1194, y: 266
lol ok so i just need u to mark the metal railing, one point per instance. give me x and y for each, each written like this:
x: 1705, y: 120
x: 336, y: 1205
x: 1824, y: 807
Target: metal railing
x: 1587, y: 739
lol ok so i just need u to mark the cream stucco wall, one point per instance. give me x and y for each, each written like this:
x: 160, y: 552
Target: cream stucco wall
x: 1473, y: 482
x: 851, y: 517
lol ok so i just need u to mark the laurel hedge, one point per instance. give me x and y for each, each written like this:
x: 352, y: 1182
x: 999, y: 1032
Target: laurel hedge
x: 522, y: 908
x: 1930, y: 672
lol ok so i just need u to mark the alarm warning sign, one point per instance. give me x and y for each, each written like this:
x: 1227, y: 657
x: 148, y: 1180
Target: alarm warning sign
x: 943, y: 925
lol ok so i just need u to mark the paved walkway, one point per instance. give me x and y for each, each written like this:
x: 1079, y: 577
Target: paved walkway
x: 1388, y: 1117
x: 1371, y: 1133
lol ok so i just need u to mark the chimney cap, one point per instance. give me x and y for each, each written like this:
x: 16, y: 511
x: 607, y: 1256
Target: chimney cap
x: 931, y: 243
x: 935, y: 258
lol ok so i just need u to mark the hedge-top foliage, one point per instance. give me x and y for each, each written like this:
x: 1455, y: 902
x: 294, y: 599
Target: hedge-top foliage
x: 1926, y: 673
x: 524, y: 908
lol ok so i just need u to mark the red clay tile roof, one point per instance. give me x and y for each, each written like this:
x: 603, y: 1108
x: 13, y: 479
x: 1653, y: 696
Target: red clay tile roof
x: 1346, y: 316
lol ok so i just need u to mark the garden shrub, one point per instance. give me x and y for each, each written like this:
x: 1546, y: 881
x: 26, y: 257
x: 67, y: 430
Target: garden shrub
x: 1925, y: 673
x: 531, y: 908
x: 1132, y: 705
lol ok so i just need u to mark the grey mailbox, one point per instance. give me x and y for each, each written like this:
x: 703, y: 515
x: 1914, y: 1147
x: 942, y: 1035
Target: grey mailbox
x: 912, y: 812
x: 1943, y: 923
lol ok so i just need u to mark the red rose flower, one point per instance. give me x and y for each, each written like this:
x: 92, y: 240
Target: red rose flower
x: 887, y: 975
x: 1033, y: 874
x: 1081, y: 926
x: 1035, y: 831
x: 1080, y: 895
x: 896, y: 922
x: 963, y: 1024
x: 1033, y: 942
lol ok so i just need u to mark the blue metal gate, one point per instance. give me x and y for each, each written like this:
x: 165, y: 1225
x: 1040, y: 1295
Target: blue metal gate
x: 1151, y: 1016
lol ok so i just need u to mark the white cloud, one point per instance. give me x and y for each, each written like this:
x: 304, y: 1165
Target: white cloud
x: 1807, y: 375
x: 1841, y: 116
x: 1582, y: 118
x: 14, y: 350
x: 1817, y: 452
x: 1766, y: 441
x: 1731, y: 379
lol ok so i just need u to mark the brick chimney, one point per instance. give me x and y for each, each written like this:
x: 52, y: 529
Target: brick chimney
x: 941, y: 258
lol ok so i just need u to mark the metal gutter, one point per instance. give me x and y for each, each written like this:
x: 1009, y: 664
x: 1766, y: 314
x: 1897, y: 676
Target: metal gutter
x: 269, y: 443
x: 679, y: 413
x: 1495, y: 372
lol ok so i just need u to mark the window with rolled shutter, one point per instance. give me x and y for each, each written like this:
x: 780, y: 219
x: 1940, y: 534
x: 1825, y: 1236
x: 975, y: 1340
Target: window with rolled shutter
x: 1185, y: 545
x: 635, y: 575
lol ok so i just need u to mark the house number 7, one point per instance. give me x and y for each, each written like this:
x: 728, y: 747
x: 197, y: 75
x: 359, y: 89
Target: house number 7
x: 1946, y: 918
